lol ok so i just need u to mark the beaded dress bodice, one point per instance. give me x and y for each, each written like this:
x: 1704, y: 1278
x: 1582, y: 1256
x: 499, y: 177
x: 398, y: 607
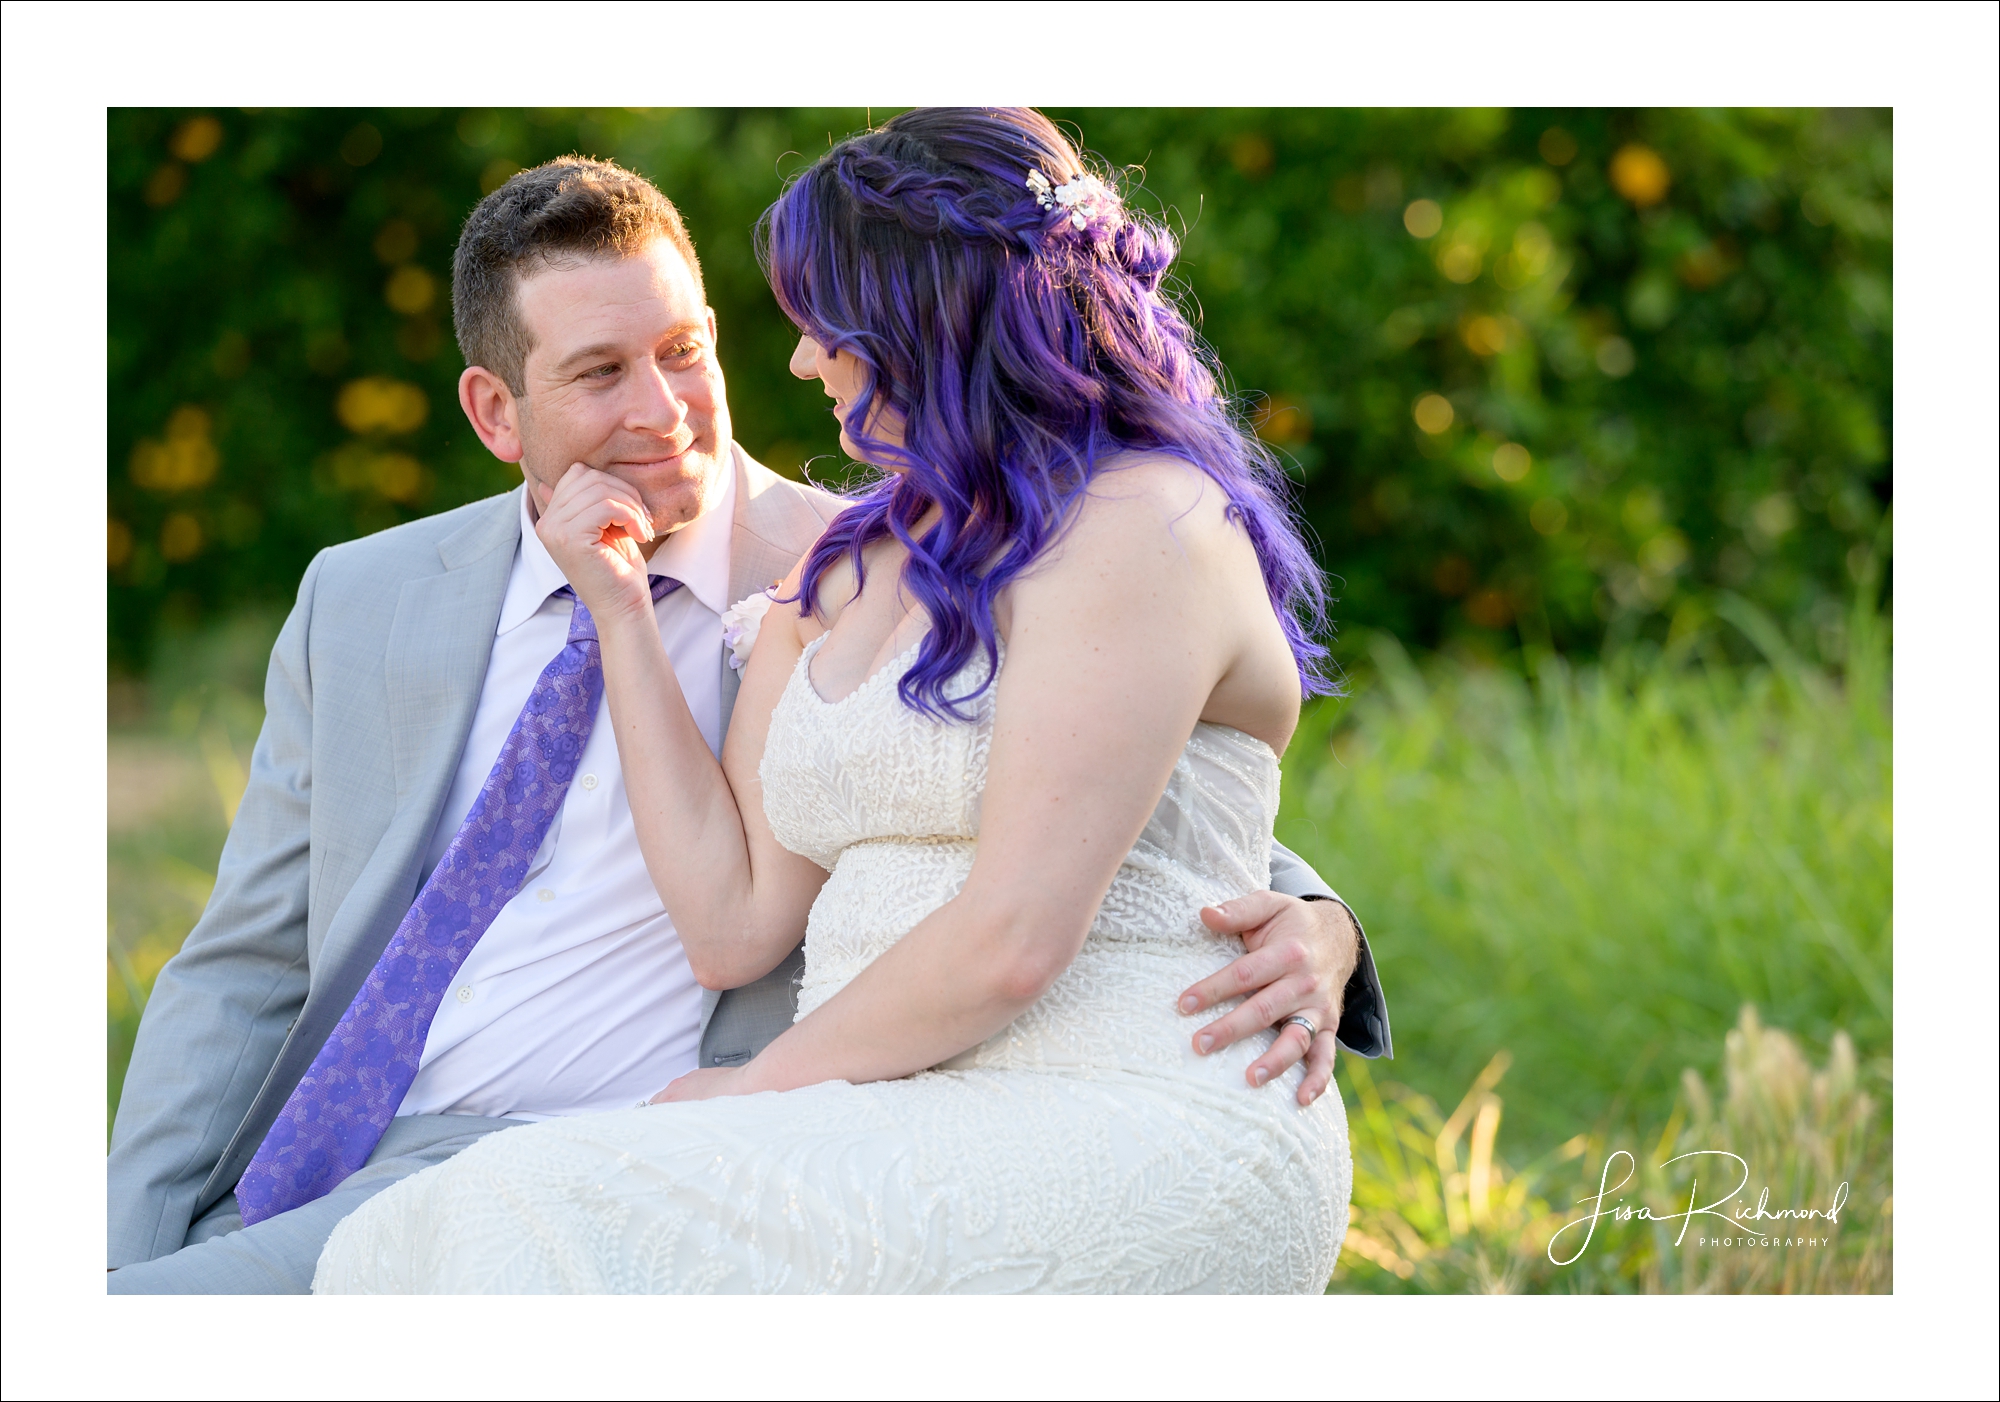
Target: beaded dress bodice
x: 887, y: 799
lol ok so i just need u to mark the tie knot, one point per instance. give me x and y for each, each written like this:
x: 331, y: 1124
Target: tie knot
x: 583, y: 627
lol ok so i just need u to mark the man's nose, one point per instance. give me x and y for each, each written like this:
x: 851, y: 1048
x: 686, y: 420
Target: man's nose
x: 656, y: 407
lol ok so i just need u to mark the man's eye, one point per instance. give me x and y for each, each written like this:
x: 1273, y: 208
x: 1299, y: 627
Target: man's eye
x: 683, y: 350
x: 602, y: 372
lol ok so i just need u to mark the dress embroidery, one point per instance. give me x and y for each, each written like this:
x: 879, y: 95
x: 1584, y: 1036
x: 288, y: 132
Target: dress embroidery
x: 1083, y: 1148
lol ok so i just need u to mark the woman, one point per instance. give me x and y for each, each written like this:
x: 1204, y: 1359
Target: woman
x: 1022, y: 726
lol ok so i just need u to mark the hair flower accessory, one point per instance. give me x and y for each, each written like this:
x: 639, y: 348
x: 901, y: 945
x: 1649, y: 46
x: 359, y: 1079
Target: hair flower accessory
x: 1079, y: 195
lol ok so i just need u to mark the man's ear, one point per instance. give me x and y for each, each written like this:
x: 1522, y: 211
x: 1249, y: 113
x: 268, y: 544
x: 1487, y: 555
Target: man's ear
x: 711, y: 324
x: 493, y: 410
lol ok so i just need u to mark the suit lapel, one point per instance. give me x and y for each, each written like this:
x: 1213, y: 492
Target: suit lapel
x: 435, y: 663
x: 776, y: 522
x: 438, y: 649
x: 435, y: 668
x: 755, y: 559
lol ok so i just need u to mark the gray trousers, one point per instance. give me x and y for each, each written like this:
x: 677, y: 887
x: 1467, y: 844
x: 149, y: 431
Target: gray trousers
x: 278, y: 1255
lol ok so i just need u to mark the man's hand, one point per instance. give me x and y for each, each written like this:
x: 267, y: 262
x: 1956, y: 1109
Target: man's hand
x: 1298, y: 958
x: 704, y: 1083
x: 593, y: 527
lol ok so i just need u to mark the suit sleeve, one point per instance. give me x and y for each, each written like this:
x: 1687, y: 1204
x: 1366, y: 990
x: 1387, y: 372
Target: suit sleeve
x: 1364, y: 1016
x: 222, y: 1006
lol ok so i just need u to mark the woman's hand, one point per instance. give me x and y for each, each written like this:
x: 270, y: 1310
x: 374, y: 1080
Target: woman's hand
x: 704, y: 1083
x: 1298, y: 956
x: 593, y: 526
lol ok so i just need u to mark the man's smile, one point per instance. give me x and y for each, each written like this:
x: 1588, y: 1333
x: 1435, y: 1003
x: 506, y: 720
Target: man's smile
x: 655, y: 457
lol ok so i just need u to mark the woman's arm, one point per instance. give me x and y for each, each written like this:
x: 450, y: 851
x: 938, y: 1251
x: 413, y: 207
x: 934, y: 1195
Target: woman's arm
x: 737, y: 898
x: 1116, y: 647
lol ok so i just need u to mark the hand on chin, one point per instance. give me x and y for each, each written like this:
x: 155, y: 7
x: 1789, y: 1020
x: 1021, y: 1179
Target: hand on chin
x: 593, y: 526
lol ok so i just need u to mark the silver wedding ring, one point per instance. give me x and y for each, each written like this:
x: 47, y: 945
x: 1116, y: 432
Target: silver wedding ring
x: 1301, y: 1020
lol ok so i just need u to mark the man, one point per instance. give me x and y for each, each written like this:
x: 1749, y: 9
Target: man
x: 273, y: 1083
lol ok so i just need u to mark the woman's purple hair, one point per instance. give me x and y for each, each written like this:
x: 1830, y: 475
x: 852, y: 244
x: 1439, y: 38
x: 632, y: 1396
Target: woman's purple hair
x: 1019, y: 352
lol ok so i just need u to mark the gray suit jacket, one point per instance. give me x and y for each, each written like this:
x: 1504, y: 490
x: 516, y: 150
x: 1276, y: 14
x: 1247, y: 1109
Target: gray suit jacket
x: 370, y: 695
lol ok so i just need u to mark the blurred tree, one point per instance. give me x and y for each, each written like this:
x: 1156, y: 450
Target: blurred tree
x: 1539, y: 374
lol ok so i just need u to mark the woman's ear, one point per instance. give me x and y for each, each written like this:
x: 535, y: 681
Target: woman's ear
x: 493, y: 410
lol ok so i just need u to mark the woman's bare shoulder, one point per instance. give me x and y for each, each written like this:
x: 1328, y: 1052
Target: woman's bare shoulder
x: 1141, y: 504
x: 811, y: 623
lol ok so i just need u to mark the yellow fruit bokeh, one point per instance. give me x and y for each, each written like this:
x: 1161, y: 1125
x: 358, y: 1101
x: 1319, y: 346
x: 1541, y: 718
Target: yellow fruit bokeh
x: 1511, y: 462
x: 196, y: 139
x: 1433, y: 413
x: 410, y: 290
x: 1638, y: 173
x: 379, y: 404
x: 180, y: 538
x: 185, y: 460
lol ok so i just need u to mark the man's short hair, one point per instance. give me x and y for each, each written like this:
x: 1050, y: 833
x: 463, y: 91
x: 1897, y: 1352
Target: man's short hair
x: 568, y: 209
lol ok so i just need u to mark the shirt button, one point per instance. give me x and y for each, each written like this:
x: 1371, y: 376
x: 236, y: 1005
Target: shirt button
x: 465, y: 994
x: 545, y: 894
x: 589, y: 781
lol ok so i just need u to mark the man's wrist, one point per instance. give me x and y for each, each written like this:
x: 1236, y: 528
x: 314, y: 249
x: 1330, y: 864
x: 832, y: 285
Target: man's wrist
x: 1353, y: 926
x: 1364, y: 1016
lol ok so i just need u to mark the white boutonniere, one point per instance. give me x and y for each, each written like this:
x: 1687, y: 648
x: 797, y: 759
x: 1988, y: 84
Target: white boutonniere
x: 740, y: 622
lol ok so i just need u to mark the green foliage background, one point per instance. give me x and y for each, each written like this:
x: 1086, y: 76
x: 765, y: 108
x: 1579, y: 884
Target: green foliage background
x: 1663, y: 337
x: 1654, y: 348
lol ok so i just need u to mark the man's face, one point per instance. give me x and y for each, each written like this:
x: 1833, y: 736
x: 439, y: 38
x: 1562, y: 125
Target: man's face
x: 623, y: 378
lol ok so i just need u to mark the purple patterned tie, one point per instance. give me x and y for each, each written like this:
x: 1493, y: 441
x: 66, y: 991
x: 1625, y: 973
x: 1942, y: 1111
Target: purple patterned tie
x: 336, y: 1116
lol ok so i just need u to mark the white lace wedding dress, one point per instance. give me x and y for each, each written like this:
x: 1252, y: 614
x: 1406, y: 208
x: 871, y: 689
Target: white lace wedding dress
x: 1083, y: 1148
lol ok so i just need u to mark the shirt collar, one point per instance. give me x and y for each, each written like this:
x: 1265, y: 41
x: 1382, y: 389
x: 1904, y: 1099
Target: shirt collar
x: 697, y: 555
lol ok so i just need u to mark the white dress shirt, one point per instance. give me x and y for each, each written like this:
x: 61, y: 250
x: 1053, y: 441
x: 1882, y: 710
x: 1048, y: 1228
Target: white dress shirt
x: 578, y: 997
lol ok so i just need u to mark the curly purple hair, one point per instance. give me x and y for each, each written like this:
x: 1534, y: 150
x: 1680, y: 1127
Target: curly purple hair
x: 1019, y: 351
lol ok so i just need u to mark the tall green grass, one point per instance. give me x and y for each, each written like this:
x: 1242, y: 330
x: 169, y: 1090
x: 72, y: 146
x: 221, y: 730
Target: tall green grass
x: 1437, y: 1208
x: 1596, y: 869
x: 1594, y: 880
